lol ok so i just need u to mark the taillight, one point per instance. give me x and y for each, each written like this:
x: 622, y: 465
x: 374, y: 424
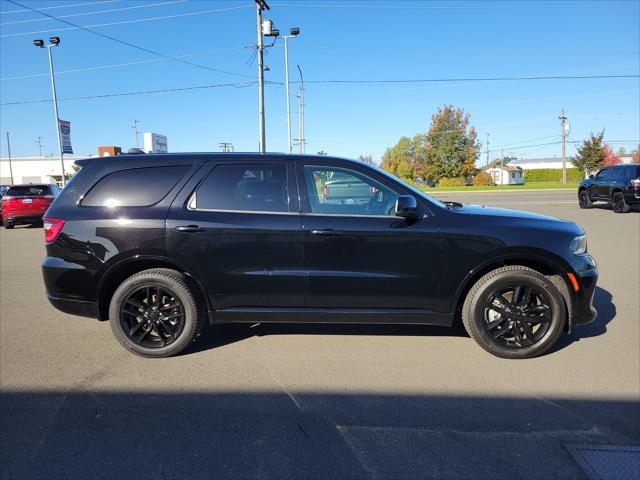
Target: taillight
x: 52, y: 228
x: 635, y: 184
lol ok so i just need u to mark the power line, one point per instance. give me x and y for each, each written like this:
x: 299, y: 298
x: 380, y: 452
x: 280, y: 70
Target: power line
x: 115, y: 65
x: 61, y: 6
x: 132, y: 45
x: 95, y: 12
x: 123, y: 22
x: 476, y: 79
x: 146, y: 92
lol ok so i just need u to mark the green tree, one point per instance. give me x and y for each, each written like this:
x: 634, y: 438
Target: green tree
x: 449, y: 149
x: 591, y: 153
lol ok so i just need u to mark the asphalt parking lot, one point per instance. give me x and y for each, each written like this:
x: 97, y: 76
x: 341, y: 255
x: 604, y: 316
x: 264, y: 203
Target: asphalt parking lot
x: 280, y: 401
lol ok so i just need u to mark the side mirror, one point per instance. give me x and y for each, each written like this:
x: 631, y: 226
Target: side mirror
x: 591, y: 177
x: 407, y: 207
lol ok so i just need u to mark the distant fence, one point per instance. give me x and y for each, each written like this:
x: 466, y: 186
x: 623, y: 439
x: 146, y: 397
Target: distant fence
x: 574, y: 175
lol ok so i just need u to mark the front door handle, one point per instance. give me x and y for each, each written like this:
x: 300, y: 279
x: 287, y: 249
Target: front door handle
x: 327, y: 232
x: 189, y: 228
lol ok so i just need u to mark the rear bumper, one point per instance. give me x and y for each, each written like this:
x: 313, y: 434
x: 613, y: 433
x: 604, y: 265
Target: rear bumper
x: 22, y: 218
x: 632, y: 197
x: 74, y: 307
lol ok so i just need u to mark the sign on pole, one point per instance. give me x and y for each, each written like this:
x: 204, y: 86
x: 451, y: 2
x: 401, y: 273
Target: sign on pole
x: 155, y: 143
x: 65, y: 136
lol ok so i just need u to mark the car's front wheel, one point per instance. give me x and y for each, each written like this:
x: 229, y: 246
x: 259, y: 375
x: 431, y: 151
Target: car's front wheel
x: 584, y: 200
x: 514, y: 312
x: 619, y: 203
x: 156, y: 313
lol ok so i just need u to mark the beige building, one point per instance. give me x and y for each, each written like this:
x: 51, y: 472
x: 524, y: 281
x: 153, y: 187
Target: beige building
x: 35, y: 169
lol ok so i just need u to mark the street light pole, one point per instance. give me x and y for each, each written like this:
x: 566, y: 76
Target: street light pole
x: 563, y: 119
x: 301, y: 112
x: 55, y: 111
x: 9, y: 153
x: 294, y: 33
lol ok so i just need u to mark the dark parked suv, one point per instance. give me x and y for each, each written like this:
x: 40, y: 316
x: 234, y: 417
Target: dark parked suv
x: 619, y: 185
x: 160, y: 244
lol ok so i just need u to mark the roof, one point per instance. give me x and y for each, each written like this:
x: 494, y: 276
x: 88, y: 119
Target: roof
x: 508, y: 168
x: 536, y: 160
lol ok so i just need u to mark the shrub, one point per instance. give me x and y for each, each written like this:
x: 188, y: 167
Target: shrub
x: 574, y: 175
x: 483, y: 179
x: 451, y: 182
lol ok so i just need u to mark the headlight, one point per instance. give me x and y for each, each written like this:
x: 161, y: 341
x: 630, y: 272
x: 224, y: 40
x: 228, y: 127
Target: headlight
x: 579, y: 245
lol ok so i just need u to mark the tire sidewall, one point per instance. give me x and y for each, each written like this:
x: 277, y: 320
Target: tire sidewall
x: 507, y: 279
x: 178, y: 288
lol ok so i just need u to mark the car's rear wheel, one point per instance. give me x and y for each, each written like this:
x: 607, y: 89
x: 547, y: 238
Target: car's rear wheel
x: 514, y: 312
x: 156, y: 313
x: 584, y: 200
x: 619, y: 203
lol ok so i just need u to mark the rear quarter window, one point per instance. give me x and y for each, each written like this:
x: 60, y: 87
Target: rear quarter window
x: 138, y: 187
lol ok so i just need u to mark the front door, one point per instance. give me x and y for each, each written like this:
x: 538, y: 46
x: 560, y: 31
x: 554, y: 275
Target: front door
x: 239, y: 232
x: 357, y: 252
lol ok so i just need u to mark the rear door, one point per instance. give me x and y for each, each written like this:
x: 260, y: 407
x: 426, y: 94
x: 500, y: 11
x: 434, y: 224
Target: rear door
x: 237, y: 228
x: 358, y: 253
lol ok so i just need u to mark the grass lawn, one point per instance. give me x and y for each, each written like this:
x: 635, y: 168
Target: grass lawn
x: 526, y: 186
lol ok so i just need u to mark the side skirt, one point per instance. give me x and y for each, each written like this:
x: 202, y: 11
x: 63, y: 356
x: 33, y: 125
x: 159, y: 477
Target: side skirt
x: 331, y: 315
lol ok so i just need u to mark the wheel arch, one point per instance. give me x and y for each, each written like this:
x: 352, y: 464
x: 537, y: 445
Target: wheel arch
x: 547, y: 264
x: 122, y: 270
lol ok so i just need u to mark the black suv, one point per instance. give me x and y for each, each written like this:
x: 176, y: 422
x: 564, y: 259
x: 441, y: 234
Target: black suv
x: 619, y: 185
x: 160, y: 244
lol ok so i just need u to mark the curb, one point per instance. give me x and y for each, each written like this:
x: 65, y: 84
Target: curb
x: 501, y: 191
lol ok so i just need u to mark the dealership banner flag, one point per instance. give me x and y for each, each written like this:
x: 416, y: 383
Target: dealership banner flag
x: 65, y: 136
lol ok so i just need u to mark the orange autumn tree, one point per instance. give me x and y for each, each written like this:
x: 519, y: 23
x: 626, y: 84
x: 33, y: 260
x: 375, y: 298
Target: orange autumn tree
x: 611, y: 158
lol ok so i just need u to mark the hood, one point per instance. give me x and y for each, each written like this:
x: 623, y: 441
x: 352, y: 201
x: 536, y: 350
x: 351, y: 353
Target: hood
x: 517, y: 218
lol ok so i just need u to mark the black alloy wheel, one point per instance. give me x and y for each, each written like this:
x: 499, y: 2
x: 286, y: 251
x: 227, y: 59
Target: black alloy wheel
x: 583, y: 199
x: 619, y: 203
x: 152, y: 316
x: 517, y: 316
x: 156, y: 312
x: 515, y: 312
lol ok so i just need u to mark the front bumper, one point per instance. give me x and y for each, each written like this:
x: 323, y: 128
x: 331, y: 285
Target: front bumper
x: 583, y: 311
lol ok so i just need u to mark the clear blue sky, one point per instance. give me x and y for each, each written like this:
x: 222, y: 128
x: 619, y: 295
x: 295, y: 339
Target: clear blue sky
x: 352, y: 39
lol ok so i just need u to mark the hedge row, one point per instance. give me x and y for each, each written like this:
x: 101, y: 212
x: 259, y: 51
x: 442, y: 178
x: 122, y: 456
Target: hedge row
x: 574, y: 175
x: 451, y: 182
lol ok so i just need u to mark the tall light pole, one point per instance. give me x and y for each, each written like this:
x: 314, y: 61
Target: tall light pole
x: 9, y: 154
x: 301, y: 112
x: 260, y: 6
x: 54, y: 42
x: 294, y: 33
x: 39, y: 142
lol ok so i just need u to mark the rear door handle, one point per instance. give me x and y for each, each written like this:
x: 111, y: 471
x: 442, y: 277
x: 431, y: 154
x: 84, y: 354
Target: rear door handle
x: 189, y: 228
x: 327, y: 232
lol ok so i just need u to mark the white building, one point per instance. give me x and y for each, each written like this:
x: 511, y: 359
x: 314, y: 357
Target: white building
x: 506, y: 175
x: 35, y: 169
x: 538, y: 163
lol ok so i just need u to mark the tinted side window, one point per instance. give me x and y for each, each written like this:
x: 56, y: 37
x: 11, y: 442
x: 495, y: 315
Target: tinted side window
x: 29, y: 191
x: 339, y: 191
x: 603, y: 174
x: 138, y: 187
x: 257, y: 188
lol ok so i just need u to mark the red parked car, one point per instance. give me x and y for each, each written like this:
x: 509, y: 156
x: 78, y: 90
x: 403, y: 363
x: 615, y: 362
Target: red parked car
x: 27, y: 203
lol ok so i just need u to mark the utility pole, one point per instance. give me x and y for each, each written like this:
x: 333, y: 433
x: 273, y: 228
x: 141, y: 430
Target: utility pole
x: 301, y: 112
x: 563, y: 119
x: 135, y: 130
x: 487, y: 150
x: 502, y: 166
x: 226, y: 146
x: 9, y: 153
x: 260, y: 5
x: 39, y: 142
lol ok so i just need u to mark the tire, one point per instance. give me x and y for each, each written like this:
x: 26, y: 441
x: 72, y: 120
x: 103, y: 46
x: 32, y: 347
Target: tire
x: 620, y: 205
x: 8, y: 225
x: 584, y: 200
x: 150, y: 331
x: 519, y: 331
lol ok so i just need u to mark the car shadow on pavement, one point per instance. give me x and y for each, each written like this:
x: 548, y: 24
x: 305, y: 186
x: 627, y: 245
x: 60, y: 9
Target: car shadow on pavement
x: 602, y: 301
x: 214, y: 336
x: 608, y: 206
